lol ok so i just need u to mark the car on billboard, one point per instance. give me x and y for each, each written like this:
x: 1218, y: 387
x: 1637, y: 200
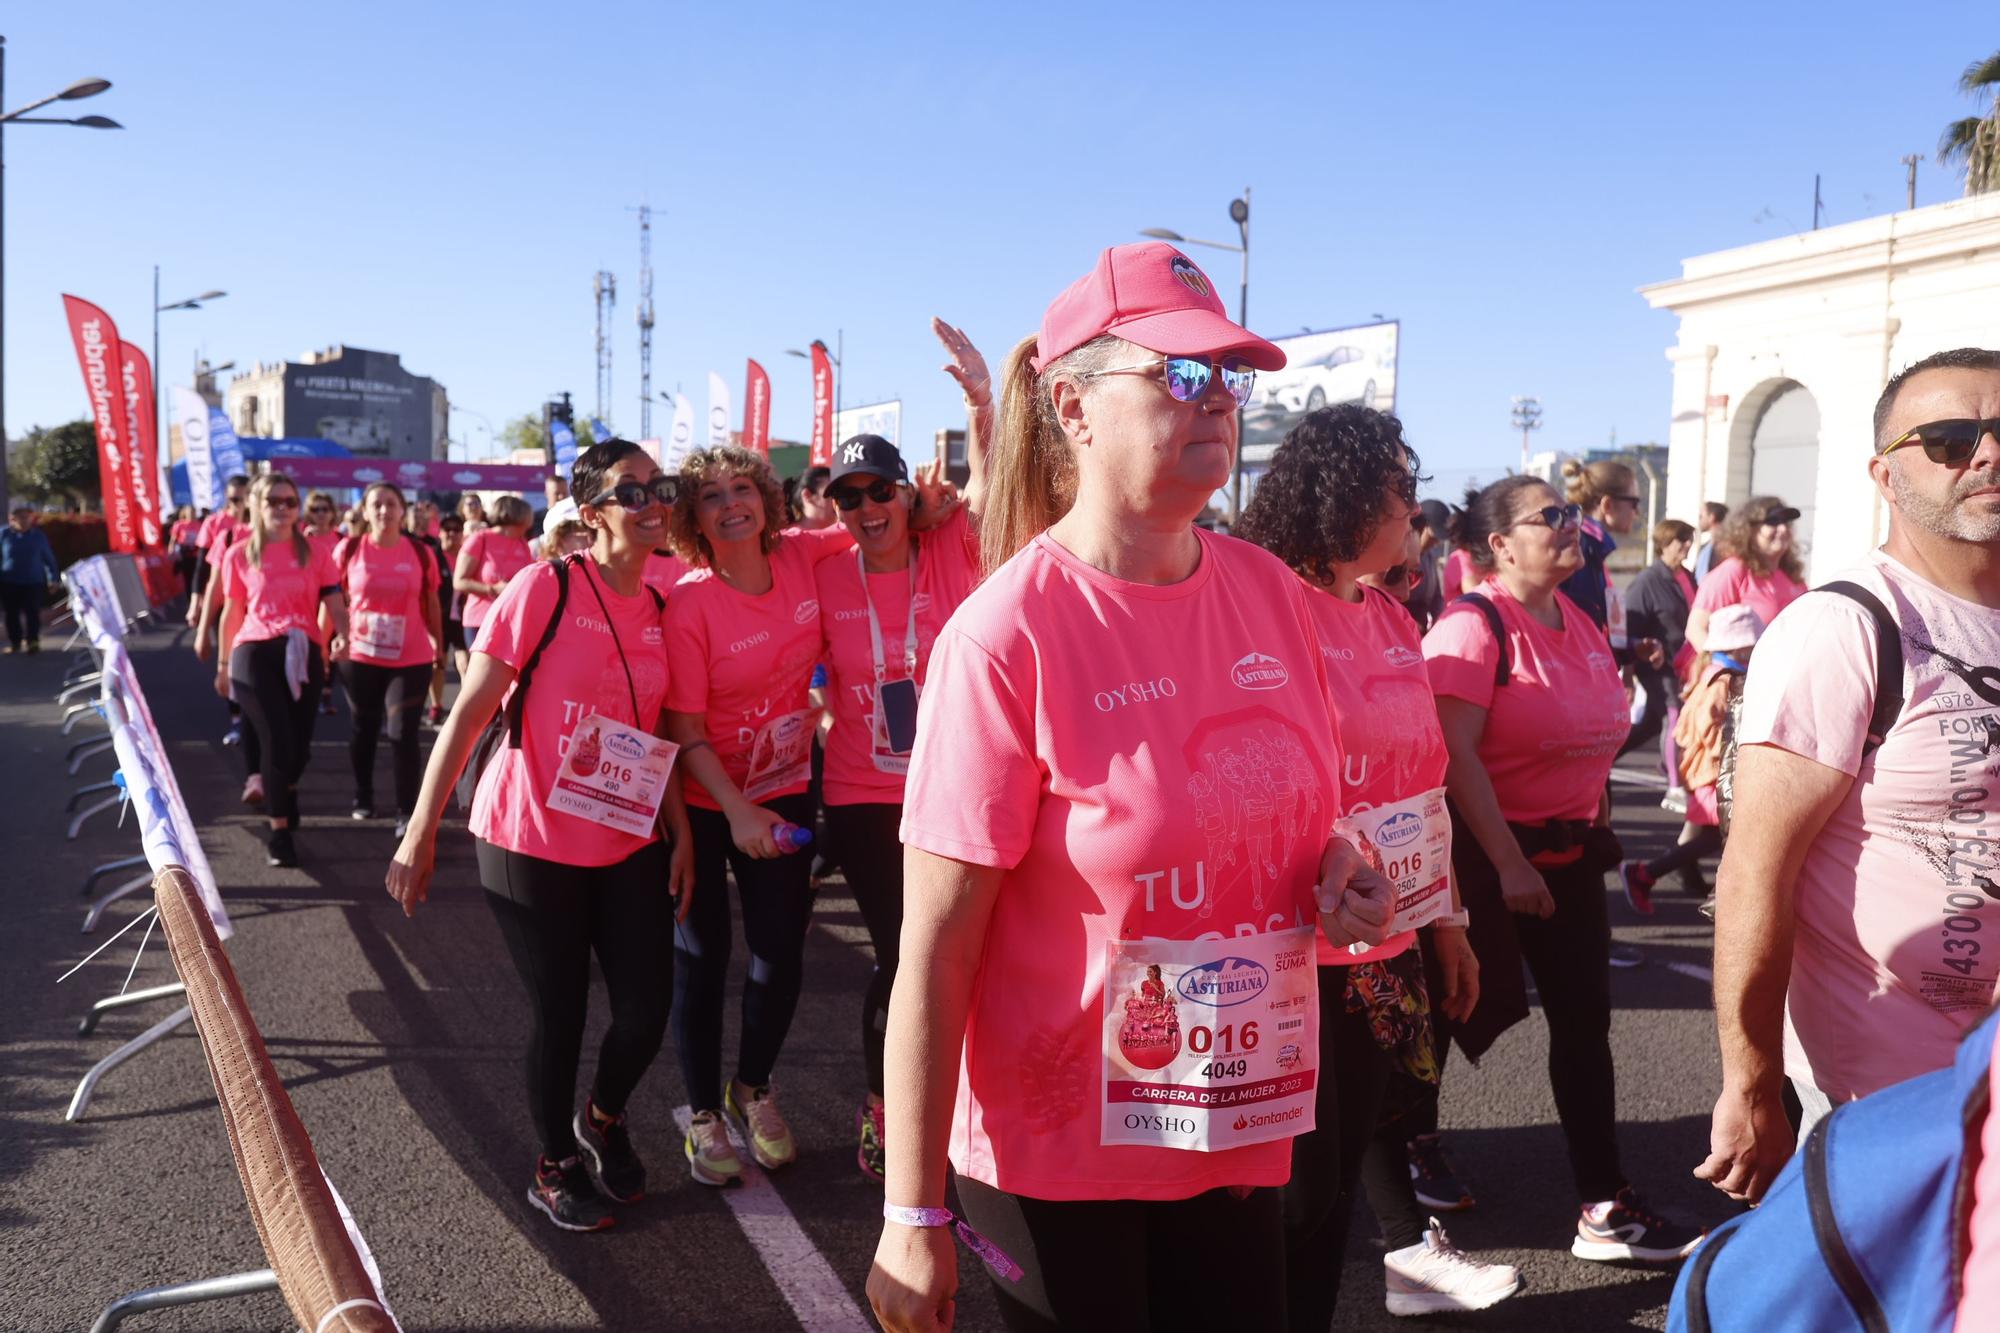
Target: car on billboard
x: 1356, y: 364
x: 1345, y: 374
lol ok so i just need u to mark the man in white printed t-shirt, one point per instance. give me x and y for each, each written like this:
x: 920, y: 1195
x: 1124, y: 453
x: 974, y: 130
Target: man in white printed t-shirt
x: 1858, y: 915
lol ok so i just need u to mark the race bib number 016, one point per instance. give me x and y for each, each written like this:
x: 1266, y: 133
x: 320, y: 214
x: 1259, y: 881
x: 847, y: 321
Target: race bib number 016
x: 1409, y: 841
x: 1210, y: 1044
x: 613, y: 775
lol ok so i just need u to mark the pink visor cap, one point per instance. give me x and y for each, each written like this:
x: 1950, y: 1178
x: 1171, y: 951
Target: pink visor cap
x: 1153, y: 295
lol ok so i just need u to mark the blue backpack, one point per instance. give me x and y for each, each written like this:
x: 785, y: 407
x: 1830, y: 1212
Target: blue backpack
x: 1866, y: 1227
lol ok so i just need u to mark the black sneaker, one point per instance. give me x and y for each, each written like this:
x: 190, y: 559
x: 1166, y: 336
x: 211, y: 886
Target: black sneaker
x: 1436, y: 1184
x: 1627, y: 1229
x: 614, y: 1168
x: 562, y: 1191
x: 280, y: 852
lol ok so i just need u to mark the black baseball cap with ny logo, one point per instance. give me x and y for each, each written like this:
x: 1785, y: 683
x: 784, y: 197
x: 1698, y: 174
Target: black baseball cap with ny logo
x: 870, y: 455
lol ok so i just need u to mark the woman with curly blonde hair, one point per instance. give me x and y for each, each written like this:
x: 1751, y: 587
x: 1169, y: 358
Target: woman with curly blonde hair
x: 1762, y: 570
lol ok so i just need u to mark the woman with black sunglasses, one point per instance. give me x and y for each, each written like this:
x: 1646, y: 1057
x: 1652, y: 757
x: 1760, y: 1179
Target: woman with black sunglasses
x: 1533, y: 714
x: 1763, y: 570
x: 880, y: 613
x: 568, y: 821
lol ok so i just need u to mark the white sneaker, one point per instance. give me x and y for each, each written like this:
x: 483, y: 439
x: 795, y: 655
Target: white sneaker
x: 1675, y: 802
x: 1434, y: 1276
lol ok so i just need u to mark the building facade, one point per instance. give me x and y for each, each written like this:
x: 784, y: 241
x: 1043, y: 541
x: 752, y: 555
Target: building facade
x: 364, y: 401
x: 1785, y: 345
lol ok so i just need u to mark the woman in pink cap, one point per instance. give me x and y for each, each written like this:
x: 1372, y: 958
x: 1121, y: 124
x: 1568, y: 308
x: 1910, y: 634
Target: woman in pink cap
x: 1122, y: 763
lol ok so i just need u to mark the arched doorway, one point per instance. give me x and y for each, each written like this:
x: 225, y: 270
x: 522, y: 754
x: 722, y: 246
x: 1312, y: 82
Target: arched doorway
x: 1784, y: 450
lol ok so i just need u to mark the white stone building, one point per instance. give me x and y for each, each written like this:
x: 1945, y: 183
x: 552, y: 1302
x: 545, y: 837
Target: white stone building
x: 1785, y: 345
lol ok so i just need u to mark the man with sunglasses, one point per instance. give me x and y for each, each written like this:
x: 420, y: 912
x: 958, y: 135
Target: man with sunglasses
x: 1861, y: 884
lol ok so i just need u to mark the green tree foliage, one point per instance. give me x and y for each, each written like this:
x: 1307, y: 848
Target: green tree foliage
x: 56, y: 463
x: 1975, y: 140
x: 524, y: 432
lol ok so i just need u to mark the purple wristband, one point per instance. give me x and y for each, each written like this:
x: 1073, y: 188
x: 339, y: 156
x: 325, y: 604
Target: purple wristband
x: 995, y: 1257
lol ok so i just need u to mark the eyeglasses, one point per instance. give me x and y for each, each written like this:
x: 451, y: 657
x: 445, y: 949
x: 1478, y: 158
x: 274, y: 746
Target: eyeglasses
x: 319, y: 509
x: 1552, y: 516
x: 281, y: 502
x: 881, y: 491
x: 1188, y: 376
x: 1952, y: 443
x: 638, y: 494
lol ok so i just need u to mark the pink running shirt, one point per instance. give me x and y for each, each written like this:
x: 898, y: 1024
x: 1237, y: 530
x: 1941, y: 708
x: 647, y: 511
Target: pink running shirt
x: 278, y: 596
x: 496, y: 558
x: 1391, y: 746
x: 746, y: 662
x: 1885, y: 974
x: 392, y: 582
x: 947, y: 571
x: 1460, y: 575
x: 1141, y: 762
x: 579, y: 674
x: 218, y: 522
x: 663, y: 571
x: 1730, y: 583
x: 1554, y: 728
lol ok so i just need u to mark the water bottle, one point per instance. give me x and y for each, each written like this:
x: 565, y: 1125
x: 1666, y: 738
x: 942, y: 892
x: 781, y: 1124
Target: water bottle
x: 790, y: 837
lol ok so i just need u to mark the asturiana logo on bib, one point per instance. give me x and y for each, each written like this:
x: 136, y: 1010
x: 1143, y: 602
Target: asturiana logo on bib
x: 806, y: 611
x: 1399, y: 656
x: 1224, y: 982
x: 1256, y: 671
x: 1399, y: 828
x: 624, y: 747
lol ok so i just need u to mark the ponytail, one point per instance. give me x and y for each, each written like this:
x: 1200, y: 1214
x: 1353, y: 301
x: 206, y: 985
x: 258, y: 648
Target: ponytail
x: 1486, y: 512
x: 1031, y: 471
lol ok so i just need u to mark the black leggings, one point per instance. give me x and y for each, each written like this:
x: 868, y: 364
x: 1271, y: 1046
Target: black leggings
x: 1707, y: 841
x: 399, y: 692
x: 553, y: 917
x: 24, y: 612
x: 1347, y: 1140
x: 1129, y: 1266
x: 284, y: 725
x: 777, y: 909
x: 867, y: 838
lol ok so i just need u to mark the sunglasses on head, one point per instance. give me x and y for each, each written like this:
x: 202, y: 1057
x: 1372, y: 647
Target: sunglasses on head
x: 1552, y: 516
x: 1188, y: 376
x: 638, y: 494
x: 1952, y: 443
x: 881, y: 490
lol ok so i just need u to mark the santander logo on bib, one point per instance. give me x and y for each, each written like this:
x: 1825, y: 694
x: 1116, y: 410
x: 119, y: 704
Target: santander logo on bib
x: 1398, y: 656
x: 1256, y: 671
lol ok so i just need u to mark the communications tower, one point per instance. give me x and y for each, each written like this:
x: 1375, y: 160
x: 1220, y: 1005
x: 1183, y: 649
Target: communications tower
x: 605, y: 287
x: 645, y: 212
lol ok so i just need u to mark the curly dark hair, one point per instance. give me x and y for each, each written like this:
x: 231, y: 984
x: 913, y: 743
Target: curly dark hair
x: 1319, y: 503
x: 706, y: 465
x: 1738, y: 537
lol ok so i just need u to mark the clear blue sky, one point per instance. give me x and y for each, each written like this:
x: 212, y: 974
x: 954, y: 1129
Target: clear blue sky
x: 442, y: 181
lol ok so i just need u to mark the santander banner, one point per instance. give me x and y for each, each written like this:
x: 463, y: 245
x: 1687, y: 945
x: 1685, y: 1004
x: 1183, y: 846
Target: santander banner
x: 822, y: 434
x: 97, y: 344
x: 757, y: 410
x: 145, y: 452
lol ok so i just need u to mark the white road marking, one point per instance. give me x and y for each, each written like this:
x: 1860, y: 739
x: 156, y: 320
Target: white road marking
x: 799, y: 1271
x: 1694, y: 970
x: 1637, y: 778
x: 846, y: 934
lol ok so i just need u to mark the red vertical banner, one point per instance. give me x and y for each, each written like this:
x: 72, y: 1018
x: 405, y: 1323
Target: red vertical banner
x: 757, y: 410
x: 822, y: 436
x: 97, y: 345
x: 143, y: 457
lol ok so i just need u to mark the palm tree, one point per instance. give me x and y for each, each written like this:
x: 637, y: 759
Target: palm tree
x: 1975, y: 140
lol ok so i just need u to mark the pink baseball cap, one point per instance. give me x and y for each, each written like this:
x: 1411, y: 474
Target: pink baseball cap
x: 1151, y: 294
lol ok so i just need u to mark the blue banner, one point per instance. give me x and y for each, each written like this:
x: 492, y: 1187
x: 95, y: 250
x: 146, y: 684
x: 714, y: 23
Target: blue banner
x: 227, y: 452
x: 564, y: 440
x: 601, y: 431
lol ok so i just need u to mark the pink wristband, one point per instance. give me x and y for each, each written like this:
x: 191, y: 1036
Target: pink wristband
x: 918, y: 1217
x: 995, y: 1257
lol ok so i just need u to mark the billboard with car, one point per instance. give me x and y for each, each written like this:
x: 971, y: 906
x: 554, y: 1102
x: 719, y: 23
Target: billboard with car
x: 1349, y: 365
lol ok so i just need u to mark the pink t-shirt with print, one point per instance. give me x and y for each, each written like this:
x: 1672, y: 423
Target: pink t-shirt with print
x: 1391, y: 746
x: 1730, y: 583
x: 577, y: 675
x: 1140, y: 762
x: 496, y: 558
x: 663, y: 571
x: 384, y: 586
x: 279, y: 595
x: 1554, y: 728
x: 947, y: 570
x: 1893, y: 956
x: 746, y: 663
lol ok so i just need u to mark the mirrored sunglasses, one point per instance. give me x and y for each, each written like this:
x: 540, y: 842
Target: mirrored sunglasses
x: 1188, y: 377
x: 637, y: 495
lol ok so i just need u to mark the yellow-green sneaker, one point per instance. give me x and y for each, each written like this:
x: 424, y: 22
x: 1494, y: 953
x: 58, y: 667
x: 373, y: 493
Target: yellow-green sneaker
x: 712, y: 1158
x: 770, y: 1139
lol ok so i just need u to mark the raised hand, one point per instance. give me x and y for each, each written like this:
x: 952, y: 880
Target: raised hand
x: 966, y: 366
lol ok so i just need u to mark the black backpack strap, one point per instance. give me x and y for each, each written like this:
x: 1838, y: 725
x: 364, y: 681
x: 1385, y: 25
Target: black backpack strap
x: 517, y: 705
x: 1888, y: 660
x: 1503, y: 672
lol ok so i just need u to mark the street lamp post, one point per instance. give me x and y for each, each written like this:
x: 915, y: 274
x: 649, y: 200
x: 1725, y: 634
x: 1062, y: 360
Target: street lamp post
x: 1527, y: 418
x: 159, y: 412
x: 80, y: 89
x: 1239, y: 213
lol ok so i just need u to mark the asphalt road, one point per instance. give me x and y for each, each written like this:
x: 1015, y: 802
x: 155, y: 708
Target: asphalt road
x: 400, y: 1042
